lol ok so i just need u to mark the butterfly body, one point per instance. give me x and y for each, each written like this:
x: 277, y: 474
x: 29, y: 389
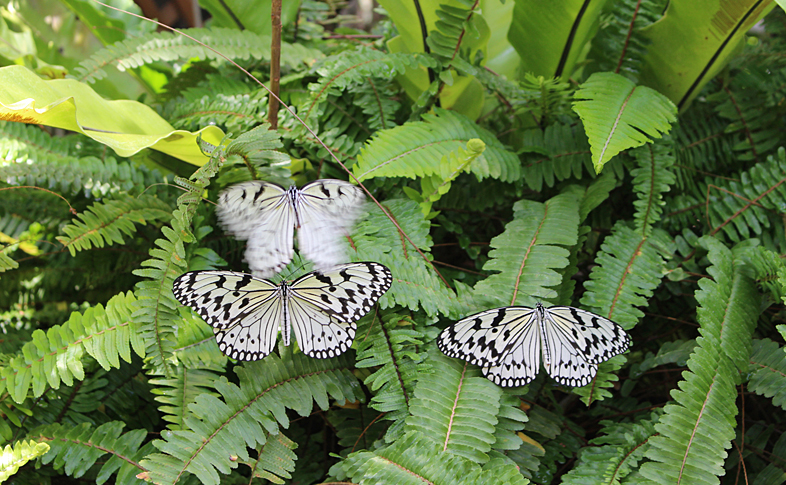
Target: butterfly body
x: 266, y: 215
x: 510, y: 343
x: 247, y: 312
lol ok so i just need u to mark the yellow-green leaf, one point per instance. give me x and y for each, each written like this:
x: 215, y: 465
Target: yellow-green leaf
x: 125, y: 126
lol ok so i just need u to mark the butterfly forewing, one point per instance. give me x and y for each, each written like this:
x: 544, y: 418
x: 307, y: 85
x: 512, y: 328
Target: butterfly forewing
x: 597, y: 338
x: 260, y: 212
x: 326, y: 211
x: 485, y: 338
x: 222, y: 298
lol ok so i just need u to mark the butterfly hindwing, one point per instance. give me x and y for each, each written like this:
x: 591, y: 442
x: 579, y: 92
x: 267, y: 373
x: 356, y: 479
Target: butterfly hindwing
x: 246, y: 312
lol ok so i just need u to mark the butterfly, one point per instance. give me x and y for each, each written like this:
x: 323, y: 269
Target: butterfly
x: 246, y: 312
x: 509, y: 343
x: 266, y: 215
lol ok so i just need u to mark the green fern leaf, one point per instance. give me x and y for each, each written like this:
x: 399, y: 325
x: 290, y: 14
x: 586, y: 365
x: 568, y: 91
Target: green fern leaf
x: 612, y: 291
x: 216, y: 429
x: 767, y: 371
x: 106, y: 222
x: 614, y: 454
x: 527, y: 255
x: 352, y: 68
x: 416, y: 148
x: 554, y: 154
x: 415, y: 284
x: 390, y: 347
x: 651, y: 179
x: 14, y: 457
x: 455, y: 408
x: 275, y: 460
x: 416, y: 460
x: 76, y: 449
x: 177, y: 393
x: 56, y: 355
x: 6, y: 263
x: 618, y: 115
x: 166, y: 46
x: 699, y: 426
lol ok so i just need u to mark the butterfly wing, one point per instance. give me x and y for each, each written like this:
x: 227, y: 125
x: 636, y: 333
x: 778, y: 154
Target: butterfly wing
x: 324, y: 306
x: 576, y: 341
x: 488, y: 338
x: 326, y: 210
x: 245, y: 312
x: 261, y: 213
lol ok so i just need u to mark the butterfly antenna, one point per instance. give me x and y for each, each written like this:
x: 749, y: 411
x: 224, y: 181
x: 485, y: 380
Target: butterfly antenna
x: 308, y: 128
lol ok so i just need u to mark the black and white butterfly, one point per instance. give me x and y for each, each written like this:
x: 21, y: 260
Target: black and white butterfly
x: 266, y: 215
x: 246, y: 312
x: 510, y: 343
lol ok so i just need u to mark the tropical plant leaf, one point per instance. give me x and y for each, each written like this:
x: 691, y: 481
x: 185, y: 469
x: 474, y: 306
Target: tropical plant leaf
x: 618, y: 115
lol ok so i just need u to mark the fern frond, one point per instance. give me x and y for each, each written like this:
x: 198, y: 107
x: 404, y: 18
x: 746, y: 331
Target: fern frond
x: 702, y: 146
x: 416, y: 460
x: 768, y: 268
x: 156, y: 311
x: 56, y: 355
x: 177, y: 393
x: 455, y: 408
x: 416, y: 148
x: 676, y: 352
x: 527, y: 255
x: 450, y: 167
x: 339, y: 72
x: 767, y: 371
x: 76, y: 449
x: 696, y: 430
x: 620, y: 45
x: 651, y: 179
x: 6, y: 263
x: 29, y: 156
x: 551, y: 104
x: 742, y: 209
x: 614, y: 292
x: 196, y: 343
x: 216, y: 430
x: 618, y: 115
x: 614, y: 454
x: 275, y: 460
x: 415, y: 285
x: 750, y: 111
x: 236, y: 113
x: 17, y: 455
x: 357, y: 426
x: 554, y: 154
x: 106, y: 222
x: 166, y: 46
x: 510, y: 420
x: 729, y: 304
x: 390, y: 345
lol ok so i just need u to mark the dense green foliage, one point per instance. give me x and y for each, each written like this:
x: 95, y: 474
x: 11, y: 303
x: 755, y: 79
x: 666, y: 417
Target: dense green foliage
x: 481, y: 139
